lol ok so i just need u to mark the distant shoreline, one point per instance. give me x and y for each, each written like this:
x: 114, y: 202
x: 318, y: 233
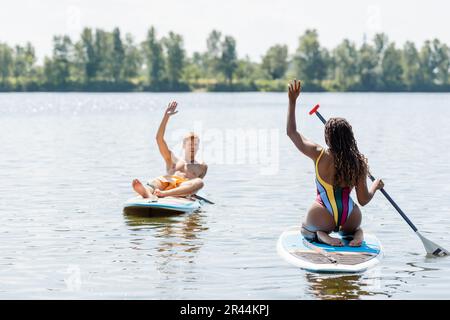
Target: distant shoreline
x: 109, y: 61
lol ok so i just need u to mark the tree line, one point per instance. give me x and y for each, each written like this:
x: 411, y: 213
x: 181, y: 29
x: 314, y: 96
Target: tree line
x: 108, y: 61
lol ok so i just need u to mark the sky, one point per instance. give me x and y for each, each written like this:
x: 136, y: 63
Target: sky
x: 255, y: 24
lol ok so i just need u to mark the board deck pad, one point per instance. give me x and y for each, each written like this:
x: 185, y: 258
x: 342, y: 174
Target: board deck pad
x: 166, y: 205
x: 347, y: 259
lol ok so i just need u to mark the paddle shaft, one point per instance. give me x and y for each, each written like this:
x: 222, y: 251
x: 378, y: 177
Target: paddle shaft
x: 201, y: 198
x: 400, y: 211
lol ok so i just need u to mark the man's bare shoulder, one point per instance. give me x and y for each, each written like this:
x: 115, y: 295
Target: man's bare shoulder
x: 204, y: 167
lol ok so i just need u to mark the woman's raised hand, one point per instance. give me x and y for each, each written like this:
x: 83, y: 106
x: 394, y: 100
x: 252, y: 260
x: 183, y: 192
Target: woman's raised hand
x: 294, y: 90
x: 171, y: 108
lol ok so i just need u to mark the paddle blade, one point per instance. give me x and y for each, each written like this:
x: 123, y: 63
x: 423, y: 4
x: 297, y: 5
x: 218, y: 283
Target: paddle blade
x: 431, y: 247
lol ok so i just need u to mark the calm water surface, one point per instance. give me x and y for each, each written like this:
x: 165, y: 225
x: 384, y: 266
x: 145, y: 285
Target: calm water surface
x: 67, y: 160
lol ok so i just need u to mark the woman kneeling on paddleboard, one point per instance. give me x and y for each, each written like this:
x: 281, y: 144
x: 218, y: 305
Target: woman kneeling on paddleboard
x: 338, y: 169
x: 184, y: 176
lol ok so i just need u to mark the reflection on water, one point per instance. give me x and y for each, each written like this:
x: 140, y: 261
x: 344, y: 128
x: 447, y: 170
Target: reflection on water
x: 178, y: 238
x: 419, y: 268
x: 333, y: 287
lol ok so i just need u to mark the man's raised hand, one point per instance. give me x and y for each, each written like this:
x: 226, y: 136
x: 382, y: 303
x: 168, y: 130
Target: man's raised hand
x: 171, y: 108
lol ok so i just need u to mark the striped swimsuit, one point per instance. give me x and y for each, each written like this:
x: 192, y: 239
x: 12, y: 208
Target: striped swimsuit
x: 337, y: 200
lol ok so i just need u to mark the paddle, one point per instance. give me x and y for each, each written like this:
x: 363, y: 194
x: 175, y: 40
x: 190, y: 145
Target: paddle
x: 431, y: 247
x: 203, y: 199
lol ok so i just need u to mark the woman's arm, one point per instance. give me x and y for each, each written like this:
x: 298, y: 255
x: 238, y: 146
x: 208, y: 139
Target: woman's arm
x: 307, y: 147
x: 162, y: 145
x: 363, y: 194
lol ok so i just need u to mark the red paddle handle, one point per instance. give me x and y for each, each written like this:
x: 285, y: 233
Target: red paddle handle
x: 313, y: 110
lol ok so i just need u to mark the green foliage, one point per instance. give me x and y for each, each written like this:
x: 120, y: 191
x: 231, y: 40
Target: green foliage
x: 88, y: 56
x: 57, y: 69
x: 118, y: 56
x: 133, y: 60
x: 175, y: 59
x: 441, y: 61
x: 275, y: 61
x: 213, y: 52
x: 107, y: 61
x: 346, y: 73
x: 391, y: 69
x: 413, y: 77
x: 310, y: 59
x: 6, y: 65
x: 228, y: 62
x: 248, y: 70
x: 367, y: 64
x: 153, y: 52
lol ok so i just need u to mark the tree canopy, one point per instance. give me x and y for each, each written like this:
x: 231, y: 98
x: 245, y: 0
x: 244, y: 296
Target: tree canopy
x: 101, y: 60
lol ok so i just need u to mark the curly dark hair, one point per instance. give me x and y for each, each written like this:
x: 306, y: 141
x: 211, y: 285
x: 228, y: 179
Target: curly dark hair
x: 350, y: 164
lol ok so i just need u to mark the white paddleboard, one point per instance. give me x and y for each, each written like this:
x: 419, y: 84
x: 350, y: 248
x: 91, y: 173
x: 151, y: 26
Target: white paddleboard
x: 318, y: 257
x: 166, y: 205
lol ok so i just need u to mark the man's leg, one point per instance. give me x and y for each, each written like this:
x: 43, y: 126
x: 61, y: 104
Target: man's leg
x: 184, y: 189
x: 145, y: 191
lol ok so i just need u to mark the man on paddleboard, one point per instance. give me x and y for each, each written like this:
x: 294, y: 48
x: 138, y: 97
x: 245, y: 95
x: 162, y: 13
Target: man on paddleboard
x: 184, y: 175
x: 339, y: 168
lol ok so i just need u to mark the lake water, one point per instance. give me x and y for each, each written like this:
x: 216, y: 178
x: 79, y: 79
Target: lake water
x: 67, y: 161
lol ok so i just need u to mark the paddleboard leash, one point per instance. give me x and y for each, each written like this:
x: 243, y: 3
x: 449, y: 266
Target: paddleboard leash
x: 320, y: 251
